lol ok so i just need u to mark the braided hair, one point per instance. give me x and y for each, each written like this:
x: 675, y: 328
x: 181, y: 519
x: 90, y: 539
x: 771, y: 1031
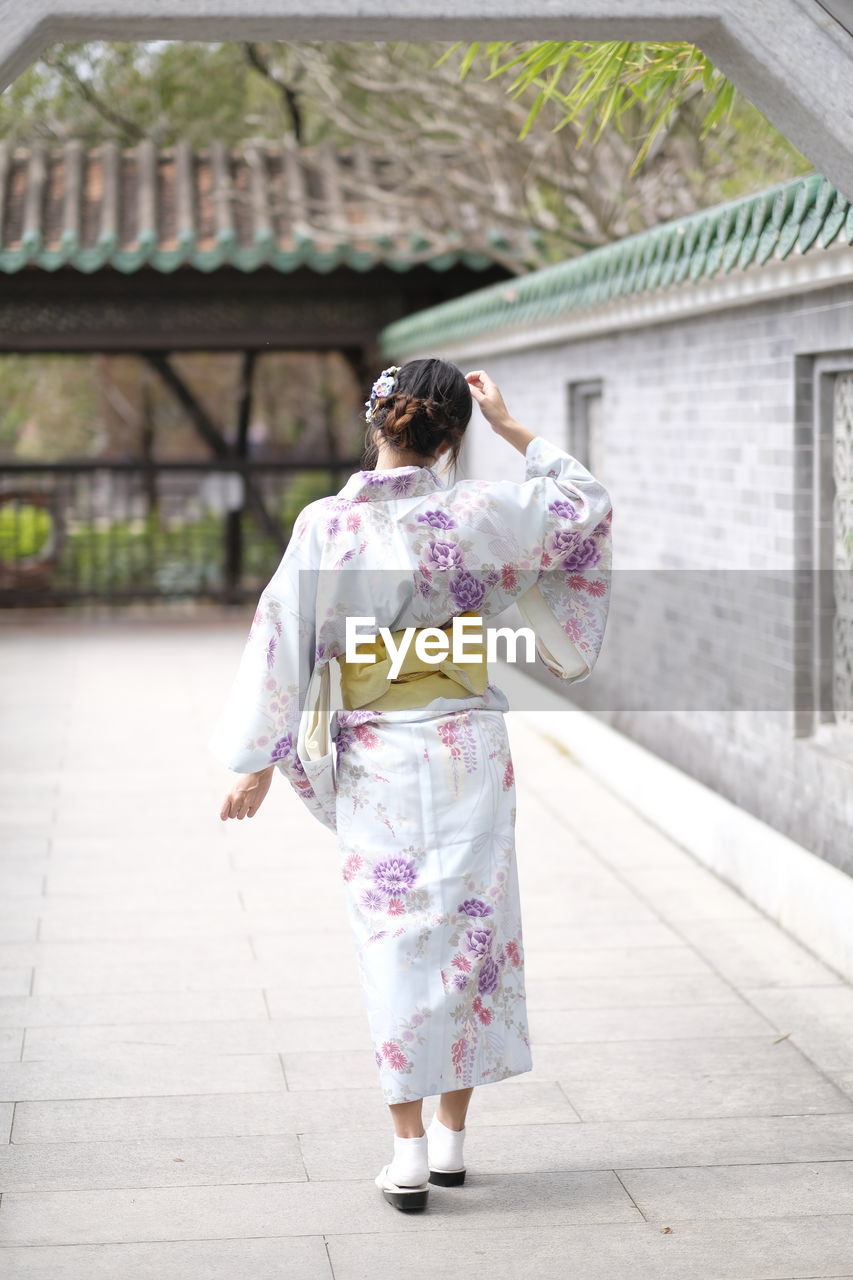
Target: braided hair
x: 430, y: 404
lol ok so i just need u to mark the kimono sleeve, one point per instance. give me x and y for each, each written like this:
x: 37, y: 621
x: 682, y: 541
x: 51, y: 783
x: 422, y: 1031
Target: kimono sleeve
x: 568, y: 605
x: 259, y: 723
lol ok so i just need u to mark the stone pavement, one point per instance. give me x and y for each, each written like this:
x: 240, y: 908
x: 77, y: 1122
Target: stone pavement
x: 187, y: 1084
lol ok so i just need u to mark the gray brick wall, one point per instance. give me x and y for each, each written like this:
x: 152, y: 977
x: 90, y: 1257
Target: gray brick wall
x: 706, y: 448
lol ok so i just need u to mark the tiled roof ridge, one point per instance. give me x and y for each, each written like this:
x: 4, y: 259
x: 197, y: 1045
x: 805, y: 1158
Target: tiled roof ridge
x: 257, y: 203
x: 794, y: 215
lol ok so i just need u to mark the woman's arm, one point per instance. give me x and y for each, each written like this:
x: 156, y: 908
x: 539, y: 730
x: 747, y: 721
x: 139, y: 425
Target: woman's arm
x: 259, y: 726
x: 567, y: 511
x: 494, y: 410
x: 515, y: 434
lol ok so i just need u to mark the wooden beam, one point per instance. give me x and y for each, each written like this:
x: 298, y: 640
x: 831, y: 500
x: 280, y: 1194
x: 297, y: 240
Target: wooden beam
x: 212, y: 435
x: 234, y: 519
x: 244, y: 404
x: 198, y: 415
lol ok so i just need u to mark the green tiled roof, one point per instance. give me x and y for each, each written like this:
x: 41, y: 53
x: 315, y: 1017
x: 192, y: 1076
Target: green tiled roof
x: 797, y: 216
x: 270, y: 204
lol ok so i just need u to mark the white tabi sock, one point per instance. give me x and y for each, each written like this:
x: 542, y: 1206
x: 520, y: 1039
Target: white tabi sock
x: 445, y: 1146
x: 410, y: 1166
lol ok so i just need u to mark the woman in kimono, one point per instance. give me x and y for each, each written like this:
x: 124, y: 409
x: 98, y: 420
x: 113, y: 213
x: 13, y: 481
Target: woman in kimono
x: 414, y: 771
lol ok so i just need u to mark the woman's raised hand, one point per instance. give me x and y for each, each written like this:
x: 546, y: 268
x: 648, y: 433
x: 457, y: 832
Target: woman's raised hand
x: 244, y: 798
x: 495, y: 412
x: 489, y: 398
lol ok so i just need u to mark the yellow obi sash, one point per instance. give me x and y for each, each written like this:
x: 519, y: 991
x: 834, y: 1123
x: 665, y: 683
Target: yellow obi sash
x: 365, y: 683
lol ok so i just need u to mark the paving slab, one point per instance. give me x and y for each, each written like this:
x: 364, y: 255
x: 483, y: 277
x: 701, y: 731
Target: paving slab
x: 235, y: 1114
x: 818, y: 1020
x: 742, y: 1191
x: 756, y: 953
x: 249, y: 1036
x: 139, y: 1162
x: 76, y: 924
x: 296, y: 1257
x: 543, y: 1200
x: 112, y: 952
x: 842, y: 1080
x: 181, y: 1095
x: 110, y: 1009
x: 11, y: 1045
x: 630, y: 991
x: 736, y: 1249
x: 668, y: 1147
x: 565, y: 1026
x: 139, y: 1071
x: 569, y: 962
x: 15, y: 982
x: 19, y: 926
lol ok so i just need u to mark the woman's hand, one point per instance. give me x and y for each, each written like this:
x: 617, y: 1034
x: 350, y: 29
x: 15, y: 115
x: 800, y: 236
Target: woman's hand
x: 489, y: 398
x: 245, y: 797
x: 495, y: 412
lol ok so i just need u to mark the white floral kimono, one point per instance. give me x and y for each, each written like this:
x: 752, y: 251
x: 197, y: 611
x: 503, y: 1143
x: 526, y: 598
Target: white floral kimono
x: 423, y: 799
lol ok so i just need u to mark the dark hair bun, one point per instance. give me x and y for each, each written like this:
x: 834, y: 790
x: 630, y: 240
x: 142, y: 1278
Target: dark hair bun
x: 399, y: 419
x: 429, y: 406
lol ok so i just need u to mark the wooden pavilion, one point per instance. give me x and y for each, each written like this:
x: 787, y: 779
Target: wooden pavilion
x: 270, y: 246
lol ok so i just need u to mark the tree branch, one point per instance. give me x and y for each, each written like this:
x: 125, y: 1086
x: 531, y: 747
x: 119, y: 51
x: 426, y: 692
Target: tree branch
x: 88, y: 94
x: 288, y: 95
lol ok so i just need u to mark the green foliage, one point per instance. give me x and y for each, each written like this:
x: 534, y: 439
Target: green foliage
x: 24, y: 530
x: 161, y: 89
x: 150, y: 554
x: 302, y: 489
x: 606, y: 80
x: 758, y: 155
x: 49, y: 406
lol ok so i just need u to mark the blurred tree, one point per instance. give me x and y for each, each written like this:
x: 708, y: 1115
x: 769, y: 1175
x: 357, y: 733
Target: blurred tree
x: 626, y: 136
x: 115, y: 407
x: 48, y: 399
x: 699, y: 141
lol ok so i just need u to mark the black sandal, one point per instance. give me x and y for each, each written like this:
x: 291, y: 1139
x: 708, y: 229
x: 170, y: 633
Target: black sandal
x: 447, y: 1177
x: 409, y: 1199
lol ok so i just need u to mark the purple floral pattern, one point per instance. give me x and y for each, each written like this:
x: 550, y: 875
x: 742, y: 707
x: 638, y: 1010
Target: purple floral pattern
x: 437, y: 519
x: 395, y: 876
x: 442, y: 555
x: 467, y: 591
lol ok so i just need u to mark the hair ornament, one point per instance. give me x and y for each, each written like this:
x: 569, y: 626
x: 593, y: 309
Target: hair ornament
x: 383, y: 386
